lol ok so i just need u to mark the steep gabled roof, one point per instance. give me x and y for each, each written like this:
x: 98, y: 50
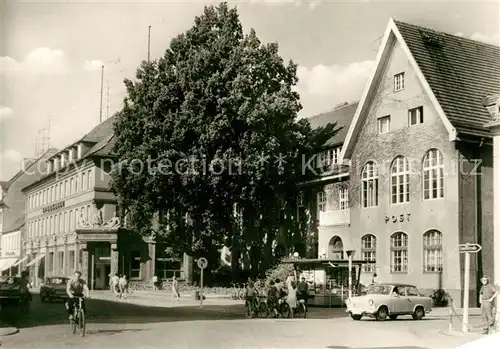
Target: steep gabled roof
x: 461, y: 72
x: 342, y: 116
x: 456, y: 73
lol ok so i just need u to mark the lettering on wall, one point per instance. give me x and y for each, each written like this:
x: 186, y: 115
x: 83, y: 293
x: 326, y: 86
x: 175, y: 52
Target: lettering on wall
x: 398, y: 218
x: 53, y: 207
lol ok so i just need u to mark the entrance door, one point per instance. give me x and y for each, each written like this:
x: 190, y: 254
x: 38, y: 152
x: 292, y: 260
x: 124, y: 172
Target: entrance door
x: 107, y: 269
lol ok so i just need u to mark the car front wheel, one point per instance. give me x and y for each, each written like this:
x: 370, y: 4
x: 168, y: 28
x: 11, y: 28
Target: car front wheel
x: 382, y: 314
x: 419, y: 313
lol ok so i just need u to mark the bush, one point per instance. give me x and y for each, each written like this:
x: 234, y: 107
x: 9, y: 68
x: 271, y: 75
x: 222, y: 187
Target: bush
x: 440, y: 298
x: 280, y: 271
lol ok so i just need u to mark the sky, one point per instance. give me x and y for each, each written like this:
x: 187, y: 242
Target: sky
x: 51, y: 53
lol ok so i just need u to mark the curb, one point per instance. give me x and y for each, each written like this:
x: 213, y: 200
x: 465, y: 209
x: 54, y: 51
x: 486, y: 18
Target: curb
x: 7, y: 331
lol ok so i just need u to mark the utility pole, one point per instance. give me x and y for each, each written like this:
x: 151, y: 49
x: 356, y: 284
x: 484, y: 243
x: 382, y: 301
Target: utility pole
x: 149, y: 43
x: 107, y: 100
x: 102, y: 83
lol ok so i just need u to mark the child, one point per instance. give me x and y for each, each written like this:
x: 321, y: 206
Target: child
x: 250, y: 296
x: 272, y: 298
x: 291, y: 299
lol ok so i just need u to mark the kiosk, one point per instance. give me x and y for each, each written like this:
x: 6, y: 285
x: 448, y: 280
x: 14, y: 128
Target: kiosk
x: 328, y: 279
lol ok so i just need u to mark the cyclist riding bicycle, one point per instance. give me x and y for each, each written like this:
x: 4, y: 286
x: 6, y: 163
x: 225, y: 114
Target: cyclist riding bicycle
x: 76, y: 287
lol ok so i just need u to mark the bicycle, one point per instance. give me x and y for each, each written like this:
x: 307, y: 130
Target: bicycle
x: 78, y: 320
x: 260, y: 306
x: 286, y: 312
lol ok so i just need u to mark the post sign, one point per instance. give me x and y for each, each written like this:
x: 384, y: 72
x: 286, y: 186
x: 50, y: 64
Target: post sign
x: 471, y: 248
x: 467, y: 249
x: 202, y: 264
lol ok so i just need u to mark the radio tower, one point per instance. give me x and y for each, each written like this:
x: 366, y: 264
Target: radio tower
x: 42, y: 140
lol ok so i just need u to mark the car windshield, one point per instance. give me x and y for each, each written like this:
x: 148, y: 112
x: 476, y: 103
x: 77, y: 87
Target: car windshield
x: 56, y: 281
x: 379, y: 289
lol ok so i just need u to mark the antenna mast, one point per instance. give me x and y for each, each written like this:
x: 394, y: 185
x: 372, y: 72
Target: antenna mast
x: 102, y: 83
x: 42, y: 139
x: 149, y: 43
x: 107, y: 100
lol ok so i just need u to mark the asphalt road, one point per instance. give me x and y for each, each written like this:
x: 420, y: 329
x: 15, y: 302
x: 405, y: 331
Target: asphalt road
x: 124, y: 325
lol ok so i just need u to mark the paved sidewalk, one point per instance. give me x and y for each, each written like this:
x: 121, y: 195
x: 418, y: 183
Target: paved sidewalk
x: 163, y: 300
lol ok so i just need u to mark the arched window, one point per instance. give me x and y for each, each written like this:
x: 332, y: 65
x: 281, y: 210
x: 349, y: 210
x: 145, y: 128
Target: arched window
x: 433, y: 251
x: 369, y: 251
x: 400, y: 180
x: 369, y: 178
x: 433, y: 175
x: 321, y: 201
x: 399, y: 252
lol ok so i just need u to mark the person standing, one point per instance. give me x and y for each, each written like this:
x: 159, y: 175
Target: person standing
x: 175, y: 290
x: 302, y: 289
x: 123, y: 286
x: 113, y: 284
x: 487, y: 296
x: 291, y: 298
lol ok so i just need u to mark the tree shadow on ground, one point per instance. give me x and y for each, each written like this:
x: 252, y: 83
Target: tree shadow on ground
x: 113, y: 312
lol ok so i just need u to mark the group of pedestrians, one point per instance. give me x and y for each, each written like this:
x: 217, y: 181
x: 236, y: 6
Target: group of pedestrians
x: 276, y: 292
x: 118, y: 284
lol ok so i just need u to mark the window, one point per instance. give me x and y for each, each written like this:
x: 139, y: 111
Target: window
x: 384, y: 124
x: 135, y: 265
x: 399, y: 253
x: 76, y: 185
x: 400, y: 180
x: 84, y: 181
x: 412, y: 291
x: 399, y: 82
x: 71, y: 186
x: 61, y: 191
x: 321, y: 201
x: 89, y: 178
x: 416, y: 116
x: 369, y: 252
x: 369, y: 178
x: 61, y: 224
x: 70, y: 218
x: 433, y: 175
x: 321, y: 160
x: 166, y: 266
x: 433, y: 251
x: 65, y: 226
x: 344, y: 198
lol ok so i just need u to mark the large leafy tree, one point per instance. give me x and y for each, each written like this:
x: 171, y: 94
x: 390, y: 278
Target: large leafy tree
x: 208, y: 128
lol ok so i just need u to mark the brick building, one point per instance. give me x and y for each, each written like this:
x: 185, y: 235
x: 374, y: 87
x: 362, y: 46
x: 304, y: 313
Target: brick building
x: 419, y: 176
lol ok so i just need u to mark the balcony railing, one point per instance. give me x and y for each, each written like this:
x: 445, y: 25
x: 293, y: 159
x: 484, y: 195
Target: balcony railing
x: 329, y: 218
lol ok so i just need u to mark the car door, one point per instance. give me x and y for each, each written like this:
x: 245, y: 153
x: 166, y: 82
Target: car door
x: 398, y: 300
x: 413, y: 297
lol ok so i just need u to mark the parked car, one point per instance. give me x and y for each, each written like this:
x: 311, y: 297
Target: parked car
x: 389, y: 300
x: 54, y: 288
x: 10, y: 290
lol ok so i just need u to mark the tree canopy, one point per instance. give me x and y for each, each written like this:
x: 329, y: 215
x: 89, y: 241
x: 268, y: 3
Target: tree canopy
x: 211, y: 129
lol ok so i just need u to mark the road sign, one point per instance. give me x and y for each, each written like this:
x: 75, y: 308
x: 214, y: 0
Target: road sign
x: 467, y: 249
x: 202, y: 263
x: 471, y: 248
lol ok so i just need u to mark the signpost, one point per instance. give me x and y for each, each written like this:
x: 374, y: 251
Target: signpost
x: 467, y: 249
x: 202, y: 264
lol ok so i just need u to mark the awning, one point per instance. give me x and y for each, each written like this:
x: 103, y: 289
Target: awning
x: 6, y: 263
x: 36, y: 260
x: 25, y: 258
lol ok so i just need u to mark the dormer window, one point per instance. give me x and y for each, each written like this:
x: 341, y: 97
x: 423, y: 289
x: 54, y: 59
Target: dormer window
x: 399, y: 82
x: 55, y: 164
x: 49, y: 166
x: 63, y: 160
x: 71, y: 155
x: 79, y: 151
